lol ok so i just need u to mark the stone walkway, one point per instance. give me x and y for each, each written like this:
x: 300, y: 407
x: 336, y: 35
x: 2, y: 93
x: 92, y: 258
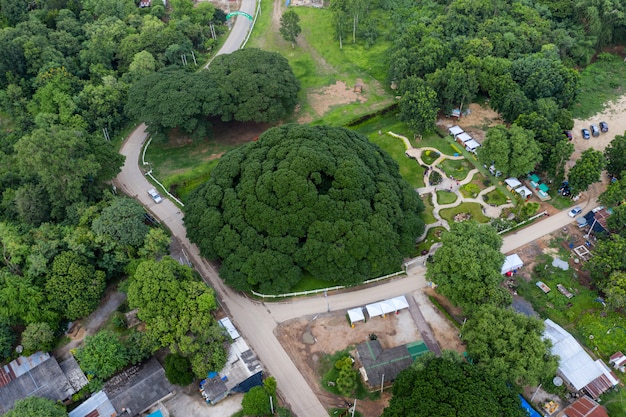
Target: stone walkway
x: 447, y: 184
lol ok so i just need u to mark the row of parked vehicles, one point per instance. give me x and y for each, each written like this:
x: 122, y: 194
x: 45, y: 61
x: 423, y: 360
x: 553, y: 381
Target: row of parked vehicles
x: 595, y: 130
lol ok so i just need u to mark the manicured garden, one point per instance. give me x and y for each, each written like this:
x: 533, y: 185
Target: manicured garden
x: 445, y: 197
x: 433, y: 236
x: 474, y: 210
x: 456, y: 168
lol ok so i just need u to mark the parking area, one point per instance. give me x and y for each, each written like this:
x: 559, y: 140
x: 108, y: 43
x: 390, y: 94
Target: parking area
x: 189, y: 403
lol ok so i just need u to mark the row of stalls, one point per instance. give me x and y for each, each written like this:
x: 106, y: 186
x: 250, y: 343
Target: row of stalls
x: 464, y: 139
x: 513, y: 184
x: 380, y: 308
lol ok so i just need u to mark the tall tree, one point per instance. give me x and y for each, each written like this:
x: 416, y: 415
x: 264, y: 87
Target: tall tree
x: 586, y: 171
x: 615, y: 155
x: 513, y: 151
x: 253, y: 85
x: 615, y: 193
x: 290, y: 26
x: 37, y: 336
x: 7, y: 338
x: 121, y: 223
x: 456, y: 84
x: 509, y: 345
x: 317, y: 199
x: 443, y: 387
x: 74, y: 286
x: 187, y: 328
x: 36, y: 406
x: 467, y: 266
x: 608, y: 258
x: 418, y: 105
x: 615, y: 290
x: 102, y: 355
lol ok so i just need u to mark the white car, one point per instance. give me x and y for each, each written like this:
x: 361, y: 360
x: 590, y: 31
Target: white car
x: 152, y: 192
x: 575, y: 212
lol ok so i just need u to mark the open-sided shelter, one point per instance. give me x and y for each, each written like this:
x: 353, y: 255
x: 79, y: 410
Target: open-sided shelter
x: 524, y: 191
x: 455, y: 130
x: 399, y: 303
x: 512, y: 263
x: 461, y: 138
x: 471, y: 145
x: 356, y: 314
x: 512, y: 183
x: 374, y: 310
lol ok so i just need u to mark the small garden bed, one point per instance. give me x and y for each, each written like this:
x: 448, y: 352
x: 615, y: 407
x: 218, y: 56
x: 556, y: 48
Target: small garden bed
x: 433, y: 236
x: 495, y: 197
x: 428, y: 156
x: 473, y: 210
x: 446, y: 197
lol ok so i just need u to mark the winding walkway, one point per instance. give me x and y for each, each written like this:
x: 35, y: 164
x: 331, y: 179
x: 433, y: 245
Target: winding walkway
x: 447, y: 184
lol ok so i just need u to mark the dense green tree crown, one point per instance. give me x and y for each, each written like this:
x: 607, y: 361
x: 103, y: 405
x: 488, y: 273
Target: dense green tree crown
x: 36, y: 406
x: 467, y: 267
x: 509, y: 345
x: 304, y: 200
x: 442, y: 387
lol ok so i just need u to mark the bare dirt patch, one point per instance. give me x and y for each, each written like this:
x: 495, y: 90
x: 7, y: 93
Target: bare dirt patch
x: 308, y: 339
x: 614, y: 114
x: 325, y: 98
x: 478, y: 120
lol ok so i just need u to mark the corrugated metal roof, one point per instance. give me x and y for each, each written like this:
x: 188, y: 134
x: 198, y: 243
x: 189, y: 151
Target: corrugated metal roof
x: 575, y: 365
x: 98, y: 402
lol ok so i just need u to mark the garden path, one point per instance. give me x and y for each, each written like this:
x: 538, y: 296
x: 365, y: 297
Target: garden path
x: 447, y: 184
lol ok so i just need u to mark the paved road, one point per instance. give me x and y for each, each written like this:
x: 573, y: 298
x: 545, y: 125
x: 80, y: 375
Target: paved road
x: 239, y: 30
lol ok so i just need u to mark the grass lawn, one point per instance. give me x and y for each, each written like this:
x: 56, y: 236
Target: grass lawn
x: 474, y: 209
x: 600, y: 83
x: 184, y: 166
x: 433, y: 140
x: 433, y: 236
x: 427, y: 214
x: 456, y: 168
x: 409, y: 168
x: 308, y: 283
x: 561, y: 202
x: 615, y: 402
x: 445, y: 197
x: 495, y: 197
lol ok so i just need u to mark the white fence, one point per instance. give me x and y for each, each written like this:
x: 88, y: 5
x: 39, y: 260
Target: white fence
x: 324, y: 290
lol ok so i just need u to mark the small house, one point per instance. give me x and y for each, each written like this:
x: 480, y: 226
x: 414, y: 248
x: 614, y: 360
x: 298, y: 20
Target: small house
x: 380, y: 365
x: 584, y: 407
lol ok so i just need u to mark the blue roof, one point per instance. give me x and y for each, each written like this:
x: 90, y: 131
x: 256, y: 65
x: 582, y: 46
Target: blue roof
x: 529, y: 408
x: 157, y: 413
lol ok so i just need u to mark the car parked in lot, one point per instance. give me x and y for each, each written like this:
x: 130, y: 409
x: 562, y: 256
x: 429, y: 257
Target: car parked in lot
x: 586, y: 134
x: 575, y: 212
x: 154, y: 194
x: 604, y: 127
x: 568, y: 134
x: 595, y: 131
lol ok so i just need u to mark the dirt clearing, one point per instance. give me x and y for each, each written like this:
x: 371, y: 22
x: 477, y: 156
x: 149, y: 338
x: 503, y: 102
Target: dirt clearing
x: 308, y: 339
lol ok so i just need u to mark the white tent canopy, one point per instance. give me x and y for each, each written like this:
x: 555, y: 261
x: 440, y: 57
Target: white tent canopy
x: 399, y: 303
x: 464, y: 137
x: 455, y: 130
x: 511, y: 263
x: 524, y: 191
x: 356, y: 314
x: 513, y: 183
x: 387, y: 306
x: 374, y: 310
x: 471, y: 145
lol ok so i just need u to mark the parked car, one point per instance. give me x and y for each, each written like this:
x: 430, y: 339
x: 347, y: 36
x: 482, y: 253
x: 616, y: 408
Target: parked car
x: 154, y: 194
x: 586, y: 134
x: 575, y: 212
x: 568, y: 134
x: 595, y: 131
x: 604, y: 127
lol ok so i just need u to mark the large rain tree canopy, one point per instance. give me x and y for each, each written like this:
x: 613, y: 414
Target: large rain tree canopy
x: 301, y: 200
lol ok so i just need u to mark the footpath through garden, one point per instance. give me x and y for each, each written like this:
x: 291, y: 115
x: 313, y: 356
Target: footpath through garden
x: 447, y: 184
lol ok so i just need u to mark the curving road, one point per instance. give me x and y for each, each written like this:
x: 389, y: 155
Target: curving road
x: 258, y: 321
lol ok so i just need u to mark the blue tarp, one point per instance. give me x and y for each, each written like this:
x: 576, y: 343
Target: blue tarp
x: 529, y: 408
x: 157, y: 413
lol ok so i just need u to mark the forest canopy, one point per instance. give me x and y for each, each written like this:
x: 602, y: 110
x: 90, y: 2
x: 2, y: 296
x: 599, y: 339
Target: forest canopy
x: 319, y: 200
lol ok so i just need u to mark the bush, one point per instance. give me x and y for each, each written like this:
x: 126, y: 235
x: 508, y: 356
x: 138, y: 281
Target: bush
x: 7, y: 337
x: 178, y: 370
x: 435, y: 178
x: 37, y: 336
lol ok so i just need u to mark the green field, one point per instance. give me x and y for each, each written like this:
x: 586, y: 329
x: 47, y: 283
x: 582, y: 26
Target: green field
x: 600, y: 83
x: 445, y: 197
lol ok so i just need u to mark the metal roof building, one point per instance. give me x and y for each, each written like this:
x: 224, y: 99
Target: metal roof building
x: 96, y: 405
x: 576, y: 367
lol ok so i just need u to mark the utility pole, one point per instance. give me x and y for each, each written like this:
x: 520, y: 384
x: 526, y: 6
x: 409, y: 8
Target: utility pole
x: 354, y: 407
x: 271, y: 404
x: 382, y: 381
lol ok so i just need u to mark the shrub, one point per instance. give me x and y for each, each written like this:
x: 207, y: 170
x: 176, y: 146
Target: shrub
x: 37, y: 336
x: 435, y: 178
x: 178, y: 370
